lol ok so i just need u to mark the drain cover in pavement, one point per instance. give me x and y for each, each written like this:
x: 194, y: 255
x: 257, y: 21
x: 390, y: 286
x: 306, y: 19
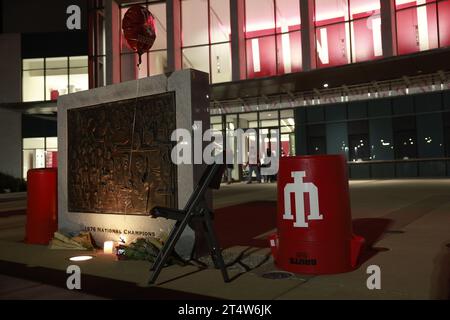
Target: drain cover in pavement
x: 277, y: 275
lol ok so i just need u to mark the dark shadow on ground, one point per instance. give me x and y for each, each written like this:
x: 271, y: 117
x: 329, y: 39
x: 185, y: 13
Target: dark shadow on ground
x: 372, y: 230
x: 13, y: 213
x: 238, y: 225
x: 440, y: 279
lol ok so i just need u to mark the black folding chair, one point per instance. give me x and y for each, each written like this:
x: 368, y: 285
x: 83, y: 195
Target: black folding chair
x: 196, y: 209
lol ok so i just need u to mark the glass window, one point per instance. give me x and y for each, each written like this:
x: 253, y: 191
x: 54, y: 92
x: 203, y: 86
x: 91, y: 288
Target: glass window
x: 333, y: 45
x: 216, y: 123
x: 206, y: 38
x: 248, y: 120
x: 269, y: 119
x: 52, y: 143
x: 381, y: 139
x: 273, y: 40
x: 287, y: 121
x: 446, y: 116
x: 216, y: 119
x: 405, y: 140
x: 56, y: 63
x: 56, y: 77
x: 143, y: 67
x: 261, y: 57
x: 34, y: 143
x: 157, y: 61
x: 48, y: 78
x: 196, y: 58
x: 78, y: 74
x: 259, y: 17
x: 316, y: 139
x: 232, y: 122
x: 33, y: 83
x: 159, y: 12
x: 287, y: 15
x: 39, y: 153
x: 194, y: 22
x: 366, y: 38
x: 128, y: 67
x: 78, y: 62
x: 269, y: 115
x: 347, y: 31
x: 269, y: 123
x: 221, y: 63
x: 220, y: 21
x: 337, y: 138
x: 444, y: 23
x: 33, y: 64
x: 358, y: 139
x: 289, y: 52
x: 430, y: 134
x: 416, y: 26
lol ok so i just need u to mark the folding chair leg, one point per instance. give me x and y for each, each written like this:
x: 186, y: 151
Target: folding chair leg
x: 214, y: 247
x: 168, y: 248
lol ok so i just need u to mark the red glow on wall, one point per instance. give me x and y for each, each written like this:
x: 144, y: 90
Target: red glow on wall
x: 274, y: 54
x: 332, y: 45
x: 347, y: 31
x: 444, y: 23
x: 417, y: 29
x: 261, y: 57
x: 367, y: 39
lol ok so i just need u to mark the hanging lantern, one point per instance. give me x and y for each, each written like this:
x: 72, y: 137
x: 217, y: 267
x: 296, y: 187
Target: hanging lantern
x: 139, y: 29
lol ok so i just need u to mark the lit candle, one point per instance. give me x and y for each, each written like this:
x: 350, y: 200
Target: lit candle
x: 108, y: 247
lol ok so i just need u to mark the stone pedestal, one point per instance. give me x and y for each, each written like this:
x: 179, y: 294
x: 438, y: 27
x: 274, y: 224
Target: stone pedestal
x: 114, y: 160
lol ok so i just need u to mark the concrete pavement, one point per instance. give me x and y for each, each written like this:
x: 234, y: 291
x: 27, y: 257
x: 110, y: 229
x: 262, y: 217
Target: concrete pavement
x: 407, y: 223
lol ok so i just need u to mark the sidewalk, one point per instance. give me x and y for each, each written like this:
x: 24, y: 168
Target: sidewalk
x: 406, y: 221
x: 13, y: 203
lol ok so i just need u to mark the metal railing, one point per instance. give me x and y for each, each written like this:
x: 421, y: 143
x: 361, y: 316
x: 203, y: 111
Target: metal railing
x: 375, y: 90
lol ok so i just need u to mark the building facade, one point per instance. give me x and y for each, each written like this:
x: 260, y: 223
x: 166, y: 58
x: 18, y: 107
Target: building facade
x: 40, y: 59
x: 366, y: 78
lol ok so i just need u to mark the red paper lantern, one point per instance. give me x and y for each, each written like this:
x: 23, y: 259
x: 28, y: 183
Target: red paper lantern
x: 138, y: 27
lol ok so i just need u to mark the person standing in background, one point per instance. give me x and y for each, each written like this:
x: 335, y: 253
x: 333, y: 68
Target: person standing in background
x: 253, y: 166
x: 230, y: 165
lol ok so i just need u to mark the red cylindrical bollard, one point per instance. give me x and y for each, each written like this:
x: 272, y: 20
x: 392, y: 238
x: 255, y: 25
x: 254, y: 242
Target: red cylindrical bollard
x: 314, y: 218
x: 42, y: 205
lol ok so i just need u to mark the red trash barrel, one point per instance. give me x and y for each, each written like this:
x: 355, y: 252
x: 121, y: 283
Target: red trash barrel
x: 313, y: 217
x: 42, y: 209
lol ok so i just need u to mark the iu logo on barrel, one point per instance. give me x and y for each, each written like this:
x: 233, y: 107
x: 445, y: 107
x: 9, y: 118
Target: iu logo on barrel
x: 298, y: 189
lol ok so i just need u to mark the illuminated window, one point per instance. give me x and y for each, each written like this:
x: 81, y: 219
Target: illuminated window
x: 416, y: 25
x: 48, y: 78
x: 444, y: 23
x: 287, y: 129
x: 39, y: 153
x: 206, y: 37
x: 347, y: 31
x: 155, y: 61
x: 273, y: 39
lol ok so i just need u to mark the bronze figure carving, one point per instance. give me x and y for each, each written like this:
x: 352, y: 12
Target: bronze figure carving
x: 119, y: 156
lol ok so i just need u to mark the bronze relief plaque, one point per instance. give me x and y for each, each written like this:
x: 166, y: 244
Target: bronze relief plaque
x: 119, y: 156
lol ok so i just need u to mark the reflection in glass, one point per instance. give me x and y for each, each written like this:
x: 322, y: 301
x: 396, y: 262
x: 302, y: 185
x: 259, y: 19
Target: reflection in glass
x: 196, y: 58
x: 194, y: 20
x: 221, y: 62
x: 157, y: 62
x: 220, y: 21
x: 416, y: 28
x: 33, y: 83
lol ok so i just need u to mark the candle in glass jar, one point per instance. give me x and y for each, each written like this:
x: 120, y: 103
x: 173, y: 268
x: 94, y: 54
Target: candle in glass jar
x: 108, y: 247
